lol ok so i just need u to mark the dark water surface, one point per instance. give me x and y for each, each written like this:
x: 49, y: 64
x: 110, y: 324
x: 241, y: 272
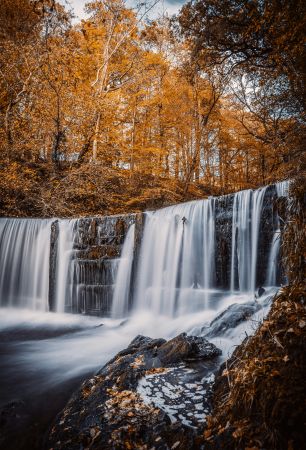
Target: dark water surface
x: 43, y: 359
x: 45, y: 356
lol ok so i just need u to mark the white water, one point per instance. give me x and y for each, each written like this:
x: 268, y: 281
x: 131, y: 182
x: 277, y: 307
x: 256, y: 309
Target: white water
x: 46, y: 356
x: 282, y: 190
x: 177, y: 259
x: 175, y: 288
x: 25, y: 259
x: 273, y: 259
x: 89, y: 342
x: 120, y: 303
x: 24, y: 263
x: 247, y: 208
x: 64, y: 268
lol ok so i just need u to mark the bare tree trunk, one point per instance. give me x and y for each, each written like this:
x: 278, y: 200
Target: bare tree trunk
x: 59, y: 133
x: 101, y: 88
x: 133, y: 139
x: 95, y: 140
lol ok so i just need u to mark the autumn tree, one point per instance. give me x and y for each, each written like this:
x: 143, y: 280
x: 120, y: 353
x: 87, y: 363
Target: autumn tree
x: 119, y: 113
x: 266, y: 36
x: 261, y: 45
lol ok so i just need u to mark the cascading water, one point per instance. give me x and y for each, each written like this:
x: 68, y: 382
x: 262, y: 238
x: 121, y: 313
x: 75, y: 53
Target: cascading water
x: 282, y: 190
x: 123, y: 279
x: 247, y: 208
x: 64, y: 268
x: 176, y: 265
x: 273, y: 259
x: 24, y: 263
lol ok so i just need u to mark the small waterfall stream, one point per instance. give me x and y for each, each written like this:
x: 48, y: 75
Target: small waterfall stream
x: 247, y: 209
x: 120, y: 304
x: 64, y: 274
x: 282, y: 190
x: 273, y: 259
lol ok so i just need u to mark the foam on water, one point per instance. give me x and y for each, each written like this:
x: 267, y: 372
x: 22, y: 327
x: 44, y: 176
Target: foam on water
x: 72, y: 345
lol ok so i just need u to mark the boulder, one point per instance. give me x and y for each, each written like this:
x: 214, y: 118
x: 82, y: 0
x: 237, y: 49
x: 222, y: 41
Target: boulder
x: 260, y: 291
x: 232, y: 317
x: 147, y: 396
x: 187, y: 348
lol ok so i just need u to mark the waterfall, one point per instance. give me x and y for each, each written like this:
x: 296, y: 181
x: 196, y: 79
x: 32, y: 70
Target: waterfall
x: 64, y: 268
x: 247, y: 208
x: 120, y: 303
x: 24, y: 263
x: 187, y: 253
x: 273, y: 259
x: 282, y: 190
x: 176, y: 263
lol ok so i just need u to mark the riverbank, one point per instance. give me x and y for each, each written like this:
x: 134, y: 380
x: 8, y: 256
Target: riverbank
x: 260, y: 394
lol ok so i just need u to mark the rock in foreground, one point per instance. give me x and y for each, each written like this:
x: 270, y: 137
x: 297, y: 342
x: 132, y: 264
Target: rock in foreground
x: 154, y: 394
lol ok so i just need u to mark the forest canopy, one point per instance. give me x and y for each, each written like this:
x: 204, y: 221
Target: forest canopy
x: 117, y: 113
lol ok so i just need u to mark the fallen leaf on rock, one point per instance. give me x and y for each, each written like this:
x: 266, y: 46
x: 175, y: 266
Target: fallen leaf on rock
x: 156, y: 370
x: 237, y: 433
x: 138, y: 362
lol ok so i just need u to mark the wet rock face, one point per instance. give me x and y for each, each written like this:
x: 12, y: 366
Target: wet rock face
x: 52, y: 267
x: 268, y: 225
x: 223, y: 237
x: 142, y: 399
x: 97, y: 248
x: 187, y: 348
x: 232, y: 317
